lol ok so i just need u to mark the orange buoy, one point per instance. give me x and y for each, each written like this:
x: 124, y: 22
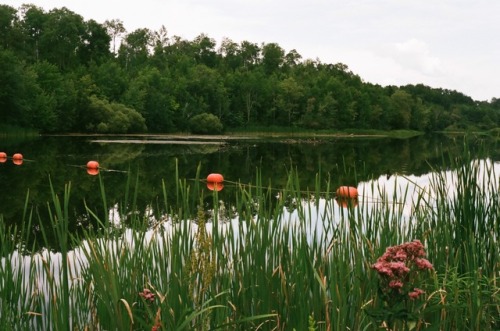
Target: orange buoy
x: 93, y: 171
x: 17, y: 161
x: 213, y: 186
x: 3, y: 157
x: 92, y: 165
x: 214, y: 182
x: 347, y: 192
x: 17, y: 156
x: 215, y: 178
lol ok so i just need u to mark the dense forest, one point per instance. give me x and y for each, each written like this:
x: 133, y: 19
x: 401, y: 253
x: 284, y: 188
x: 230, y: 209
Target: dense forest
x: 61, y: 73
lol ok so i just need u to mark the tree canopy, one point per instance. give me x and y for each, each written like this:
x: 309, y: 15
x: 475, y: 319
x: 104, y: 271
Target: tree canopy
x: 61, y: 73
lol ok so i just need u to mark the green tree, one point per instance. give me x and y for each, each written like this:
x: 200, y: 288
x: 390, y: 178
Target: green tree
x: 95, y: 47
x: 230, y: 54
x: 328, y: 110
x: 401, y: 109
x: 206, y: 91
x: 160, y: 43
x: 151, y: 94
x: 250, y: 54
x: 12, y: 89
x: 292, y: 59
x: 61, y: 38
x: 289, y: 100
x: 32, y: 25
x: 111, y: 79
x: 204, y: 50
x: 8, y: 21
x: 59, y: 115
x: 85, y: 88
x: 420, y: 117
x: 344, y: 113
x: 272, y: 57
x: 135, y: 48
x: 248, y: 89
x: 115, y: 29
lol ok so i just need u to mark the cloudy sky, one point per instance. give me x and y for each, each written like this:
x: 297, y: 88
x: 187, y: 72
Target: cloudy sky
x: 451, y: 44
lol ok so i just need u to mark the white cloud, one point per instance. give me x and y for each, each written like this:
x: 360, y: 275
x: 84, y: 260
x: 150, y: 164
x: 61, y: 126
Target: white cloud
x: 415, y: 54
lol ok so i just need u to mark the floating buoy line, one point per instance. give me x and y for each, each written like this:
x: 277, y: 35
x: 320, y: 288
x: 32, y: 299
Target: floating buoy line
x: 345, y: 196
x: 17, y: 158
x: 92, y: 166
x: 214, y: 179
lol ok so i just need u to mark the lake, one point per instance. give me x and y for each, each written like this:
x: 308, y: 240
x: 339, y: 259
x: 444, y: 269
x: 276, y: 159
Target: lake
x: 153, y: 161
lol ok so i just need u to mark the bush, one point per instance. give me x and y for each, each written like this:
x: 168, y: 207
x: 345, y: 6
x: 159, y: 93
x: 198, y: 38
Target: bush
x: 205, y: 124
x: 114, y: 117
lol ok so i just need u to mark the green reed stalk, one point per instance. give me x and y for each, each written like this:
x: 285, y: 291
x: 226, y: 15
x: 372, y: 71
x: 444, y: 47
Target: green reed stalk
x: 60, y: 220
x: 462, y: 236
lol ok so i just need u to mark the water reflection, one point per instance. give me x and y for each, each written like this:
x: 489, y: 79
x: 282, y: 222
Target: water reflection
x: 149, y: 169
x: 316, y: 217
x: 405, y: 189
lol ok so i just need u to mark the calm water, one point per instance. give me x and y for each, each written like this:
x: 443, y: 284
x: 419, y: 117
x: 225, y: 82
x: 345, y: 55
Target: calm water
x: 151, y: 161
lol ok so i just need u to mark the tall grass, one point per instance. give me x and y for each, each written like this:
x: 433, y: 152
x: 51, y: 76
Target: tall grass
x: 284, y: 258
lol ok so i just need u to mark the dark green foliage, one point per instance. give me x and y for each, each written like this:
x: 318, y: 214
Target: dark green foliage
x: 96, y: 43
x: 205, y: 124
x: 113, y: 118
x: 169, y: 80
x: 63, y: 32
x: 12, y: 89
x: 111, y: 80
x: 7, y: 20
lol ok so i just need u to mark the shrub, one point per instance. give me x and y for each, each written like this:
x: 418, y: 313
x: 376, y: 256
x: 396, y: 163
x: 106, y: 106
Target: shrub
x: 114, y: 117
x: 205, y: 123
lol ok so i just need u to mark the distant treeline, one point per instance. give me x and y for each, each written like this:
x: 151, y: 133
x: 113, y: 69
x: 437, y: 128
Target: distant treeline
x: 60, y: 73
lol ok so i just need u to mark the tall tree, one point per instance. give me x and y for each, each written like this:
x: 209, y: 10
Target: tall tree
x: 116, y: 30
x: 292, y: 58
x: 12, y: 89
x: 62, y: 38
x: 111, y: 80
x: 289, y: 100
x: 151, y: 94
x: 272, y: 57
x: 95, y: 47
x: 32, y: 25
x: 8, y: 20
x: 250, y: 53
x: 420, y: 116
x: 230, y: 54
x: 401, y: 109
x: 247, y: 89
x: 135, y: 48
x: 204, y: 50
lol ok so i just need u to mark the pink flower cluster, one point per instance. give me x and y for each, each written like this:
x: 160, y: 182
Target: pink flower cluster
x: 399, y: 265
x: 415, y: 293
x: 147, y: 295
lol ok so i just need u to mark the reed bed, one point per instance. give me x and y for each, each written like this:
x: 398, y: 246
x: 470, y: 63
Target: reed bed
x: 276, y: 259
